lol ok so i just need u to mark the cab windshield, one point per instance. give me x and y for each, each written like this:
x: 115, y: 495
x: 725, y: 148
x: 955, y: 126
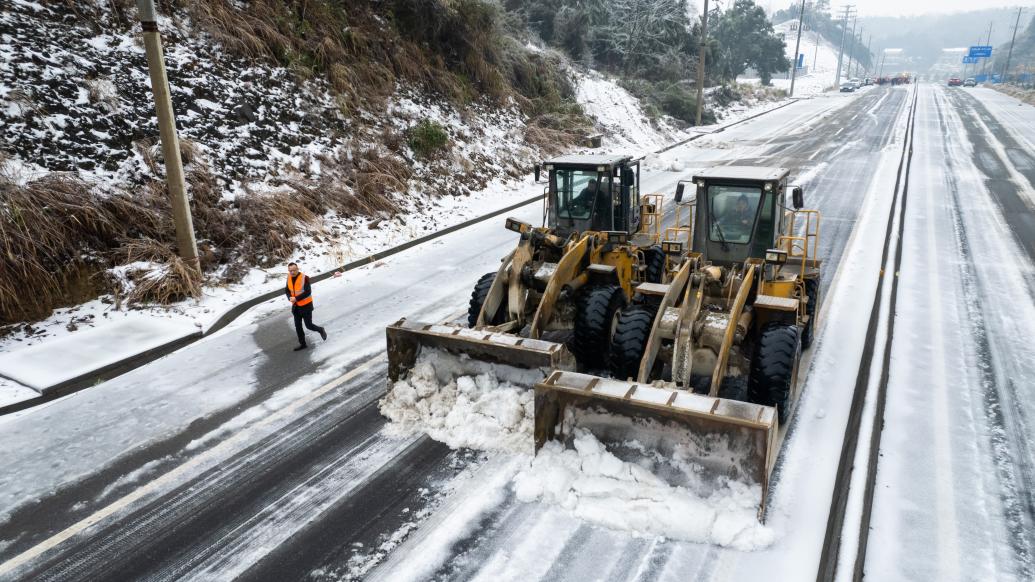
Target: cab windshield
x: 576, y: 191
x: 733, y: 212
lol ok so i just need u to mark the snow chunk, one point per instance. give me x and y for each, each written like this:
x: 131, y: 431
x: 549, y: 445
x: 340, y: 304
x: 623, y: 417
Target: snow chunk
x: 594, y: 485
x: 464, y: 403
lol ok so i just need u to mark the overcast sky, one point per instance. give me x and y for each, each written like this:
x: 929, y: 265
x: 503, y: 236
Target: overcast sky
x: 896, y: 7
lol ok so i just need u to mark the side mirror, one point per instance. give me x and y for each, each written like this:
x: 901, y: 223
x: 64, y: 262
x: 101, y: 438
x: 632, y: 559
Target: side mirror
x: 537, y: 172
x: 797, y: 197
x: 679, y: 192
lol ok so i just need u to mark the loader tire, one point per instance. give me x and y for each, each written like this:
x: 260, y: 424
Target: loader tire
x: 630, y: 341
x: 812, y: 292
x: 596, y: 317
x: 655, y: 265
x: 772, y: 369
x: 734, y: 388
x: 481, y: 291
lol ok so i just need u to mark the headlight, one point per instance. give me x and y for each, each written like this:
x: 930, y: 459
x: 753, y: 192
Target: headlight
x: 617, y: 237
x: 517, y: 225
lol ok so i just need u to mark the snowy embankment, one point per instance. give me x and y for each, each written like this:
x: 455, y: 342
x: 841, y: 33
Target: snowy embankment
x: 620, y: 117
x: 469, y: 404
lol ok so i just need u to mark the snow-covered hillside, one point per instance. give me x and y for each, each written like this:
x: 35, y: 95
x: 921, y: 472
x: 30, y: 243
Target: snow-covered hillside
x: 820, y: 61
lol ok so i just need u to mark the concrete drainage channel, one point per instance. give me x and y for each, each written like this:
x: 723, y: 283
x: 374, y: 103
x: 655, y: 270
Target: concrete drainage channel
x: 123, y: 366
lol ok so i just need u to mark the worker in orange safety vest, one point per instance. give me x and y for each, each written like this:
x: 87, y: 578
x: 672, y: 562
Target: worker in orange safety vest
x: 300, y: 293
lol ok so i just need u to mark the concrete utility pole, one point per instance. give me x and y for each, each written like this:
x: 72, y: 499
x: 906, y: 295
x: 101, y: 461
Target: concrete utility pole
x: 815, y: 52
x: 841, y: 51
x: 700, y: 64
x: 883, y: 57
x: 797, y: 45
x: 869, y: 55
x: 1006, y: 68
x: 851, y: 48
x: 984, y: 65
x: 185, y: 241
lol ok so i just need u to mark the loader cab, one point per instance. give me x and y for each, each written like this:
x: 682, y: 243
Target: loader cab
x: 592, y: 192
x: 738, y: 210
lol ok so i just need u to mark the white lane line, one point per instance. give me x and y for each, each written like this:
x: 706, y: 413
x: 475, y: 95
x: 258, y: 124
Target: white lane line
x: 814, y: 154
x: 170, y: 477
x: 838, y: 132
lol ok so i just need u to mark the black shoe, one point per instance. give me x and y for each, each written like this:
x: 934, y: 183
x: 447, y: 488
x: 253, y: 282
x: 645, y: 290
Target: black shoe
x: 323, y: 334
x: 301, y: 347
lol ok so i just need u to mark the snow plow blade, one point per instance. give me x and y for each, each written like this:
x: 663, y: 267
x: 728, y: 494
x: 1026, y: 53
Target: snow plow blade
x: 407, y: 338
x: 726, y: 438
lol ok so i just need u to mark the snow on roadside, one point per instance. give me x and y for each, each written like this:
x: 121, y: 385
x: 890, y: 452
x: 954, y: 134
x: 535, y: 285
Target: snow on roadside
x: 12, y: 392
x: 470, y: 404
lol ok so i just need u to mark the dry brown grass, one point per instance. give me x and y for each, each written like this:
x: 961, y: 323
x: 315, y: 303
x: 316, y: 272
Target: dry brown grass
x: 171, y: 279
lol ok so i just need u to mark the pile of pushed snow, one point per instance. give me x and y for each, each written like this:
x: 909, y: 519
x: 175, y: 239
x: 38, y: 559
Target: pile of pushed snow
x: 464, y: 403
x: 598, y: 487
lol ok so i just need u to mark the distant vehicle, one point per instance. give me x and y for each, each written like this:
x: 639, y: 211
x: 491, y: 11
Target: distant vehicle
x: 970, y: 82
x: 855, y: 82
x: 955, y: 82
x: 868, y: 81
x: 847, y: 87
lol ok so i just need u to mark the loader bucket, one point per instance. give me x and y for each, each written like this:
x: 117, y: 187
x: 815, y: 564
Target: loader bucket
x: 407, y: 338
x: 726, y: 438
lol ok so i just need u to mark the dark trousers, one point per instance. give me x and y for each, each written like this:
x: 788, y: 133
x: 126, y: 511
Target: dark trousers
x: 304, y: 314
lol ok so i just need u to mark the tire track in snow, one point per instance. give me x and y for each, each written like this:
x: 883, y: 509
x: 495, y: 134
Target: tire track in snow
x: 1009, y: 432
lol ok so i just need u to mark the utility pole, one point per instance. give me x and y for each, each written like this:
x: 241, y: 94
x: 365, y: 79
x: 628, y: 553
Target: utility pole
x: 815, y: 52
x: 700, y: 64
x: 984, y: 66
x: 1006, y: 69
x: 797, y: 45
x: 869, y: 55
x: 841, y: 51
x: 185, y: 241
x: 851, y: 48
x: 883, y: 57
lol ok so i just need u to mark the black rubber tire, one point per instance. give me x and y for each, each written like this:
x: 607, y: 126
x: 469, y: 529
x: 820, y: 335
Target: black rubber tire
x: 734, y: 388
x: 596, y: 316
x: 655, y: 265
x: 478, y: 295
x: 812, y: 292
x: 772, y: 368
x: 630, y: 340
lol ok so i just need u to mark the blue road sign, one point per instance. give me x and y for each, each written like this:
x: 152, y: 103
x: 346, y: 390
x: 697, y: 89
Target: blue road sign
x: 970, y: 60
x: 801, y: 60
x: 980, y: 51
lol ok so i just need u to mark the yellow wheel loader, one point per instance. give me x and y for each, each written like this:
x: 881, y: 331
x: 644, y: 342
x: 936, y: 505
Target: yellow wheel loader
x: 715, y: 354
x: 555, y: 301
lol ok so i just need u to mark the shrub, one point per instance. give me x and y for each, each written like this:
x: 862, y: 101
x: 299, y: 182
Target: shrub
x: 428, y: 138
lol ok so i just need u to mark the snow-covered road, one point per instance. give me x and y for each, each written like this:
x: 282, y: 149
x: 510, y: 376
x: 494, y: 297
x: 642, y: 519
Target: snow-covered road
x: 955, y: 476
x: 237, y: 456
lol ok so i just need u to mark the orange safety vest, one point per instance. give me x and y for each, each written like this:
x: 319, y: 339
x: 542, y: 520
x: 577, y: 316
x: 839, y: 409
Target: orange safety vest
x: 297, y: 288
